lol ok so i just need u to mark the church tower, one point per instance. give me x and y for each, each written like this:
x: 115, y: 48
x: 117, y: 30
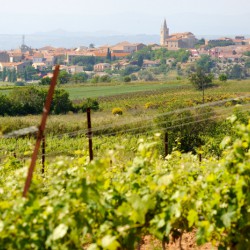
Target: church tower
x: 164, y: 33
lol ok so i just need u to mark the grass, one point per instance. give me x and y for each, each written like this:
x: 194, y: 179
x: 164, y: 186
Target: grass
x: 81, y: 92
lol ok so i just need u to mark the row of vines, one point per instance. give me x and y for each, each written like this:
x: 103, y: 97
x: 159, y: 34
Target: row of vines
x: 112, y: 204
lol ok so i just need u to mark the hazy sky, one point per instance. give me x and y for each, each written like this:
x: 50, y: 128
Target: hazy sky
x: 202, y: 17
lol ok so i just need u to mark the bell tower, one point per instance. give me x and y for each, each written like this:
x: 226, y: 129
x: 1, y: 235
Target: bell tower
x: 164, y: 33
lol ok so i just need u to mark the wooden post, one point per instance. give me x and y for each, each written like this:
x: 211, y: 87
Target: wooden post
x: 200, y: 158
x: 166, y: 143
x: 91, y: 157
x: 41, y: 129
x: 43, y: 154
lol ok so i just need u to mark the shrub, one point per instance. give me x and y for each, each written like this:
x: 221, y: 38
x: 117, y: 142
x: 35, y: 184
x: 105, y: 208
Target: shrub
x: 127, y: 79
x: 223, y: 77
x: 19, y: 83
x: 117, y: 111
x: 151, y: 105
x: 88, y: 103
x: 105, y: 78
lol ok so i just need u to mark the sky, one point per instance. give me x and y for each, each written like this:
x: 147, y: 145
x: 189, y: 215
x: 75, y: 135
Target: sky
x: 202, y: 17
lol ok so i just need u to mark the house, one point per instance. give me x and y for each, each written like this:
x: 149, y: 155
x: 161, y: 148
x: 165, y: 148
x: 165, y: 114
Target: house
x: 100, y: 67
x: 15, y: 57
x: 74, y: 69
x: 38, y: 58
x: 19, y: 67
x: 126, y: 47
x: 4, y: 56
x: 39, y: 66
x: 149, y: 63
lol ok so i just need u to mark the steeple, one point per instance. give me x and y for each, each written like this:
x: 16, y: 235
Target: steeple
x: 164, y: 32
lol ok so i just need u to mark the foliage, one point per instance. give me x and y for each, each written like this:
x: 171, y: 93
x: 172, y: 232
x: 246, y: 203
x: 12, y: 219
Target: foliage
x: 200, y: 79
x: 25, y: 101
x: 223, y: 77
x: 20, y: 83
x: 79, y: 77
x: 127, y: 79
x: 205, y: 63
x: 63, y: 77
x: 117, y: 111
x: 61, y: 103
x: 161, y: 54
x: 219, y: 43
x: 97, y: 205
x: 45, y: 81
x: 145, y: 75
x: 236, y: 72
x: 108, y: 56
x: 130, y: 70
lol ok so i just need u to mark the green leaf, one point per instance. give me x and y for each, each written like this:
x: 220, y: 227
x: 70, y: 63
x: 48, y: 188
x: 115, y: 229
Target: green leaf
x: 192, y: 217
x: 59, y: 232
x: 226, y: 218
x: 109, y: 242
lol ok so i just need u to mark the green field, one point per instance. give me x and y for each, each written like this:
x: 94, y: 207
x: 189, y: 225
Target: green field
x: 111, y: 90
x: 101, y: 90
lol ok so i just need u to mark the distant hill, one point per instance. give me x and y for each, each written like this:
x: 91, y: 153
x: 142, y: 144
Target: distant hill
x: 60, y: 38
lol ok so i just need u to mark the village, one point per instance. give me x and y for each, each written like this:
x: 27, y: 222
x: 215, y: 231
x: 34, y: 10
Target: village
x: 175, y: 56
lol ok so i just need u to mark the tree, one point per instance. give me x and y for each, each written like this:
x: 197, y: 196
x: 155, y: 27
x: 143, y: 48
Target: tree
x: 205, y: 63
x: 108, y: 56
x: 201, y: 80
x: 63, y: 77
x: 91, y: 46
x: 14, y: 75
x: 79, y: 77
x: 4, y: 75
x: 140, y: 61
x: 236, y: 72
x: 127, y: 79
x: 44, y: 81
x: 223, y: 77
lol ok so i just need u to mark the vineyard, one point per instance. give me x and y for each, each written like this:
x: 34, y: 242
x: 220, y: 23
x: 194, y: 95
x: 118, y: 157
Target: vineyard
x: 165, y: 166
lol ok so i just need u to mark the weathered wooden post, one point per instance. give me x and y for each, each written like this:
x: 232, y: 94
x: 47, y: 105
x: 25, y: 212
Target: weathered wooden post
x: 41, y: 129
x: 43, y: 154
x: 91, y: 157
x: 166, y: 143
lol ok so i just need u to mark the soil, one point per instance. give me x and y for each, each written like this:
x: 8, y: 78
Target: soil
x: 188, y: 243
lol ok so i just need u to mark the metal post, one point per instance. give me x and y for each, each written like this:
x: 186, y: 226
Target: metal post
x: 45, y: 114
x: 166, y: 143
x: 91, y: 157
x: 43, y: 154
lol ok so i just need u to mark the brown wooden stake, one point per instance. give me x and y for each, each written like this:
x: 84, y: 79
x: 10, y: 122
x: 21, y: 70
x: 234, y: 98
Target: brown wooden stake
x: 40, y: 132
x: 91, y: 157
x: 166, y: 143
x: 200, y: 157
x: 43, y: 154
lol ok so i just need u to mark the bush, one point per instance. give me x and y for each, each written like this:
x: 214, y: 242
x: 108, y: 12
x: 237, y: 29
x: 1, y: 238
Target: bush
x: 117, y: 111
x: 145, y: 75
x: 30, y: 101
x: 5, y: 105
x: 127, y: 79
x: 151, y: 105
x: 88, y: 103
x: 19, y: 83
x: 45, y: 81
x: 105, y: 78
x: 223, y: 77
